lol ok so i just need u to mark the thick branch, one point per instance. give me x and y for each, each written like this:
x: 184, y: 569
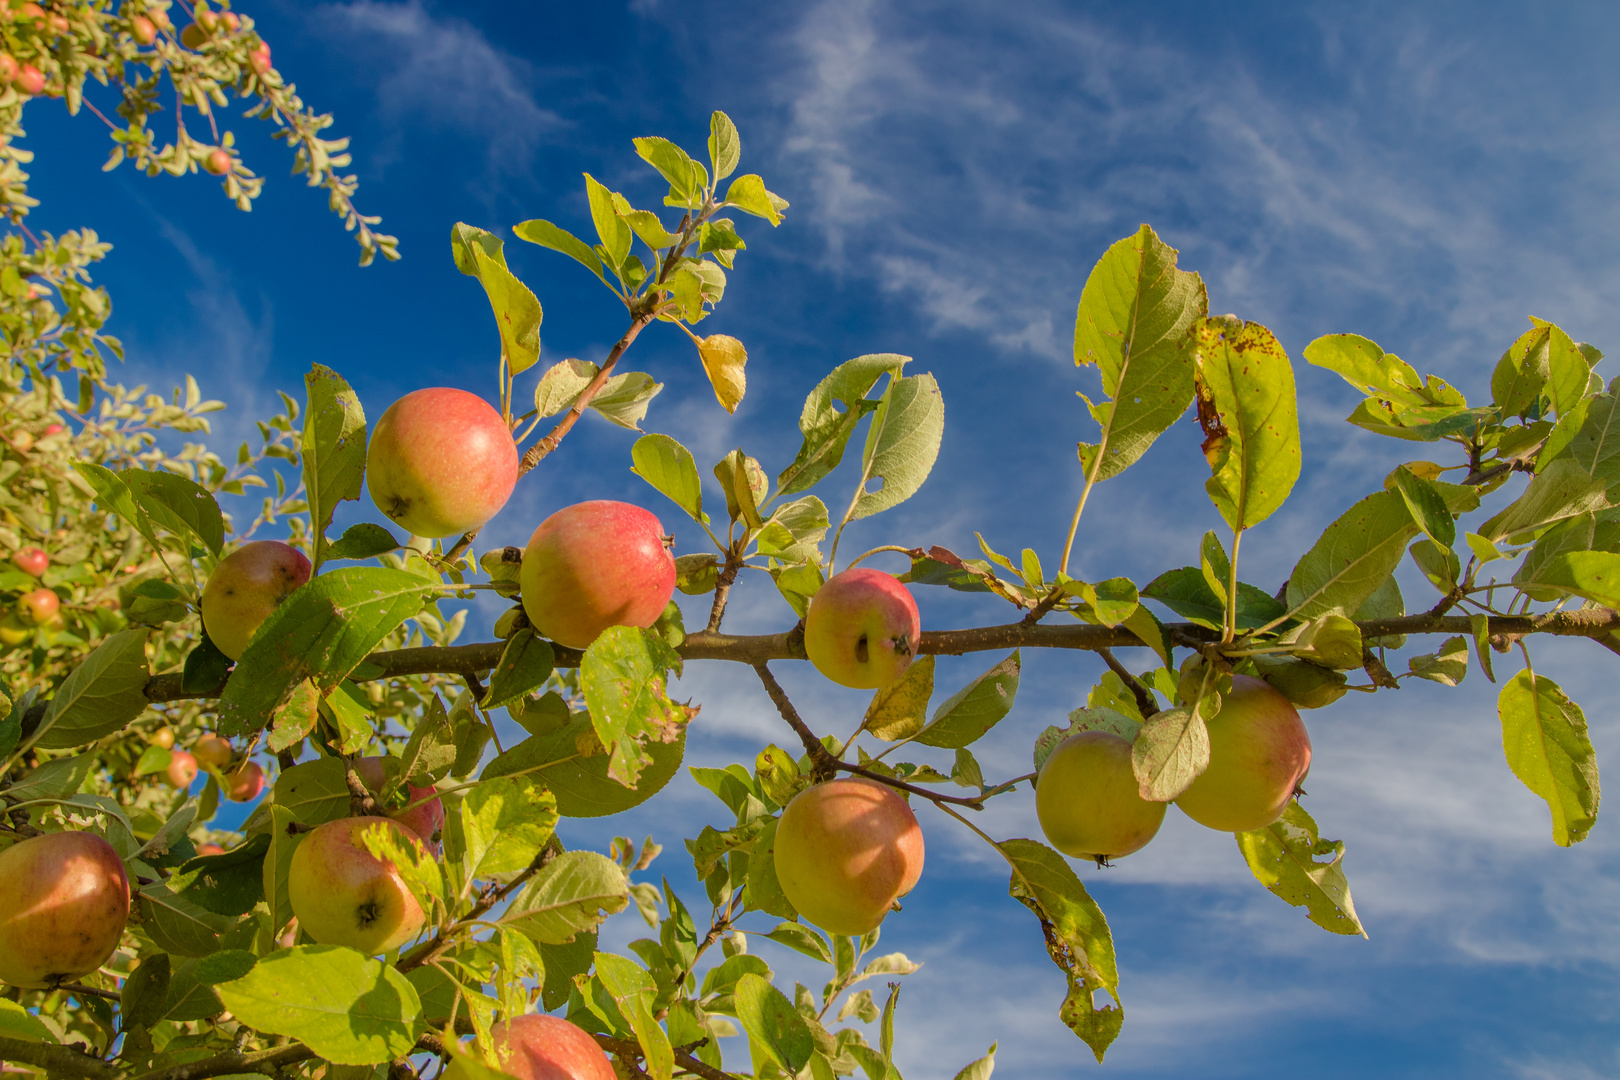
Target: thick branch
x: 631, y: 1050
x: 263, y: 1062
x: 57, y: 1060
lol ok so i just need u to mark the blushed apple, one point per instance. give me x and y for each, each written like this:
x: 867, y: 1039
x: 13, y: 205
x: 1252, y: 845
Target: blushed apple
x: 218, y: 161
x: 421, y: 811
x: 846, y: 850
x: 594, y: 565
x: 30, y: 80
x: 245, y: 784
x: 246, y: 587
x: 541, y: 1047
x: 38, y: 606
x: 344, y: 895
x: 31, y: 560
x: 1088, y: 802
x: 259, y: 58
x: 209, y: 849
x: 862, y: 629
x: 441, y: 462
x: 1259, y: 751
x: 142, y: 29
x: 212, y: 751
x: 182, y: 769
x: 163, y: 737
x: 64, y: 899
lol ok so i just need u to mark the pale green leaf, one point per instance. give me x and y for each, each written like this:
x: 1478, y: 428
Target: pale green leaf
x: 1545, y: 739
x: 1245, y: 372
x: 1285, y: 857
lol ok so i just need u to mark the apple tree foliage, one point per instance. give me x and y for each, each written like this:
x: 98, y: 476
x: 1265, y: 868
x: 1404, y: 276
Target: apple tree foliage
x: 365, y: 659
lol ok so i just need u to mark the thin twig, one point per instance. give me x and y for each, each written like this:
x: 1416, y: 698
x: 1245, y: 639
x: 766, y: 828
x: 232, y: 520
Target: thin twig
x: 1146, y: 703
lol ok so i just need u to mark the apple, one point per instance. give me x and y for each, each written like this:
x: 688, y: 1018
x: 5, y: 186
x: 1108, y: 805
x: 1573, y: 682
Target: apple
x: 245, y: 784
x: 1087, y: 799
x: 425, y: 819
x: 8, y: 67
x: 846, y: 850
x: 259, y: 58
x: 232, y: 23
x: 862, y: 629
x: 210, y: 849
x: 64, y: 899
x: 344, y: 895
x: 53, y: 429
x: 22, y: 441
x: 182, y: 769
x: 143, y: 29
x: 38, y: 606
x: 1259, y: 751
x: 218, y: 161
x: 441, y: 462
x: 594, y: 565
x: 31, y: 560
x: 30, y: 80
x: 537, y: 1046
x: 245, y: 588
x: 212, y: 751
x: 163, y: 737
x: 13, y: 631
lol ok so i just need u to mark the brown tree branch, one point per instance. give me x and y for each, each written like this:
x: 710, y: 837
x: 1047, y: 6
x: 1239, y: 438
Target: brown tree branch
x: 629, y: 1050
x: 263, y: 1062
x: 1146, y: 703
x: 58, y: 1060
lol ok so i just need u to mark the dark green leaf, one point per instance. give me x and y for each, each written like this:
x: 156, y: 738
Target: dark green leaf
x: 205, y: 669
x: 1426, y: 505
x: 525, y: 665
x: 100, y: 696
x: 1186, y: 592
x: 227, y: 884
x: 580, y: 780
x: 362, y: 541
x: 145, y: 995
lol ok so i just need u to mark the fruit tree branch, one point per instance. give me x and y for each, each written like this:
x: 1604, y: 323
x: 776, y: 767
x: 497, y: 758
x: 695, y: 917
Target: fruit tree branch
x: 57, y: 1060
x: 263, y: 1062
x: 630, y: 1049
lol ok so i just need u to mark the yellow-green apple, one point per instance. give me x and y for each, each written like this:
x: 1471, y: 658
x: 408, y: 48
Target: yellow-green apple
x: 846, y: 850
x: 64, y: 899
x: 594, y: 565
x: 1087, y: 799
x: 541, y: 1047
x: 212, y: 751
x: 163, y: 737
x: 245, y: 588
x: 13, y: 631
x: 344, y: 895
x: 862, y: 629
x: 32, y: 560
x: 1259, y: 751
x: 420, y: 811
x: 245, y: 784
x: 441, y: 462
x: 182, y: 769
x: 38, y: 606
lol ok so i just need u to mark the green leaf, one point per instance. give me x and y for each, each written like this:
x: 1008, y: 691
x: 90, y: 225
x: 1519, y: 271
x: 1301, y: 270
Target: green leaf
x: 574, y: 766
x: 725, y: 147
x: 748, y: 194
x: 1544, y: 737
x: 902, y: 443
x: 348, y: 1008
x: 100, y: 696
x: 145, y: 995
x: 55, y: 779
x: 231, y: 883
x: 632, y: 990
x: 764, y: 889
x: 321, y: 632
x: 1186, y: 591
x: 17, y: 1022
x: 1426, y: 505
x: 673, y: 164
x: 669, y: 467
x: 314, y: 792
x: 177, y: 504
x: 1285, y: 858
x: 505, y: 822
x: 517, y: 312
x: 1368, y: 368
x: 900, y: 710
x: 561, y: 386
x: 981, y: 1069
x: 277, y: 864
x: 362, y: 541
x: 1094, y: 717
x: 1563, y: 490
x: 1170, y: 752
x: 466, y: 239
x: 793, y: 533
x: 1135, y: 322
x: 775, y: 1029
x: 1522, y: 373
x: 744, y: 483
x: 1447, y: 665
x: 1352, y: 558
x: 526, y: 664
x: 548, y: 235
x: 831, y: 412
x: 1595, y: 446
x: 334, y: 447
x: 571, y: 895
x: 622, y: 678
x: 206, y: 669
x: 191, y: 987
x: 976, y: 708
x: 1077, y: 939
x: 114, y: 496
x: 613, y: 230
x: 623, y: 399
x: 178, y: 925
x: 1255, y: 461
x: 1594, y: 575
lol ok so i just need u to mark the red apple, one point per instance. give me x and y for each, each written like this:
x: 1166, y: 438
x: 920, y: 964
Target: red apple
x: 259, y: 58
x: 30, y: 80
x: 182, y: 769
x: 210, y: 849
x: 246, y: 587
x: 53, y: 429
x: 846, y: 850
x: 1259, y: 751
x: 862, y: 629
x: 441, y: 462
x: 8, y: 67
x: 38, y: 606
x: 231, y: 22
x: 594, y: 565
x: 142, y: 29
x: 211, y: 751
x: 541, y: 1047
x: 344, y: 895
x: 421, y: 812
x: 64, y: 899
x: 1088, y: 801
x: 245, y: 784
x: 218, y: 161
x: 31, y: 560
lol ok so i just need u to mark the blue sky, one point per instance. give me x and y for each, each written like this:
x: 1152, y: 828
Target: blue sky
x: 1427, y: 176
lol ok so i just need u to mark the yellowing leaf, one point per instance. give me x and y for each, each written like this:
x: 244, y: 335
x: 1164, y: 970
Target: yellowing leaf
x: 723, y: 361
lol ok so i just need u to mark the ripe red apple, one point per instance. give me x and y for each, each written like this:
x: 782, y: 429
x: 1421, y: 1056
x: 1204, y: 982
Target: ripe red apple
x: 163, y: 736
x: 441, y: 462
x: 32, y: 560
x: 1259, y: 751
x: 38, y: 606
x: 1088, y: 802
x: 53, y: 429
x: 182, y: 769
x: 594, y: 565
x: 245, y: 784
x: 343, y: 895
x: 142, y: 29
x: 425, y: 819
x: 246, y: 587
x: 846, y: 850
x: 210, y: 849
x: 30, y: 80
x: 64, y: 899
x: 212, y: 751
x: 218, y: 161
x: 862, y: 629
x: 259, y: 58
x: 541, y: 1047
